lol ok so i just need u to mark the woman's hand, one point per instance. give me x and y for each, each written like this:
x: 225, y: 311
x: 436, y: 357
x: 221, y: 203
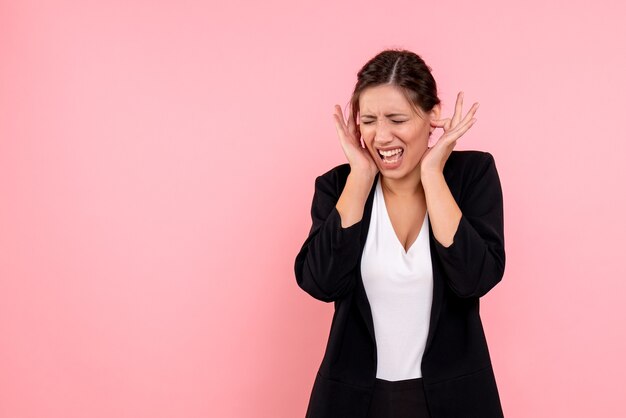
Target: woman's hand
x: 360, y: 159
x: 435, y: 157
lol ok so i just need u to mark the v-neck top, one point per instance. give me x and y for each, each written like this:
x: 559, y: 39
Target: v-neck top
x: 399, y: 287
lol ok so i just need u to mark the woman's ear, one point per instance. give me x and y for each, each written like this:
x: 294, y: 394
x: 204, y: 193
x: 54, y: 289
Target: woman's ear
x: 436, y: 111
x: 434, y: 114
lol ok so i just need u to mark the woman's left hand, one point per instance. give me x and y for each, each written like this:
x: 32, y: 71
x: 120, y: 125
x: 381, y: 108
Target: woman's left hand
x: 435, y: 157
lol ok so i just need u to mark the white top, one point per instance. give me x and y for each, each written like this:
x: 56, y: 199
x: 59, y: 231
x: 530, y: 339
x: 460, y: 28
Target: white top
x: 399, y: 287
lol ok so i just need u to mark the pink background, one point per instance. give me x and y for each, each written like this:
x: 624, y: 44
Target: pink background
x: 157, y: 162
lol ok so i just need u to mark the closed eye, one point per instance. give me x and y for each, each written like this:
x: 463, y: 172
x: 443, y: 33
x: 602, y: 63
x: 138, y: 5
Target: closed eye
x: 397, y: 122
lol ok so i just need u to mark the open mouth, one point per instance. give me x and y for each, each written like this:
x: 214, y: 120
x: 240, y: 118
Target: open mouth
x: 391, y: 157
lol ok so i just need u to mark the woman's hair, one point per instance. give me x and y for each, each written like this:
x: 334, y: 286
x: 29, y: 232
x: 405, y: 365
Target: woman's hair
x: 400, y: 68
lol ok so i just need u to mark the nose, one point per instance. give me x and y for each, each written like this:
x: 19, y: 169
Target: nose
x: 383, y: 134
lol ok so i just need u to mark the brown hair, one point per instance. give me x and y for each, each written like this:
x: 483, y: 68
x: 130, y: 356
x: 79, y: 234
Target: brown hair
x: 400, y: 68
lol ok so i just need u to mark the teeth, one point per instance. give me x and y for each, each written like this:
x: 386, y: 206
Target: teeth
x: 390, y: 153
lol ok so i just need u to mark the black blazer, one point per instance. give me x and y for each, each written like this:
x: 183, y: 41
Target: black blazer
x: 456, y: 366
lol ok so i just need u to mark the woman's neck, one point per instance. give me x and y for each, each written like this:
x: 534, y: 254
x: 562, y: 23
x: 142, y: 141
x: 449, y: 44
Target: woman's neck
x: 406, y: 187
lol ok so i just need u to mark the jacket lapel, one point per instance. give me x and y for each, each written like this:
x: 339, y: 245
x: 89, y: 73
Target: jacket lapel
x: 360, y: 293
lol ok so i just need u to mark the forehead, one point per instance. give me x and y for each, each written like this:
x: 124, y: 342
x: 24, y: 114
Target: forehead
x: 383, y: 98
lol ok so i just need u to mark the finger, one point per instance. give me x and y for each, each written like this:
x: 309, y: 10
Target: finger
x: 471, y: 113
x: 439, y: 122
x: 459, y: 130
x: 458, y: 109
x: 354, y: 130
x: 351, y: 124
x: 465, y: 127
x: 339, y: 125
x: 340, y: 116
x: 339, y: 119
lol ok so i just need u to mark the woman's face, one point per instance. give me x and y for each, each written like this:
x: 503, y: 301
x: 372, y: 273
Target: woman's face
x: 388, y: 122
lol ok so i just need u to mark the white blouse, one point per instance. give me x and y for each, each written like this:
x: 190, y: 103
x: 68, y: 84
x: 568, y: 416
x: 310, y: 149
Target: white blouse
x: 399, y: 287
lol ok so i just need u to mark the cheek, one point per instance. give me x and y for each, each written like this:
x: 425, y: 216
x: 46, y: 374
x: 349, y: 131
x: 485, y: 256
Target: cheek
x: 422, y: 128
x: 416, y: 133
x: 366, y: 130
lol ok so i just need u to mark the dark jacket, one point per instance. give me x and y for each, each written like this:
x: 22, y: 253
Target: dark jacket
x: 456, y: 366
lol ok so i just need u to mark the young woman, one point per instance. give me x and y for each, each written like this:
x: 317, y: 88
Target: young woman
x: 404, y: 240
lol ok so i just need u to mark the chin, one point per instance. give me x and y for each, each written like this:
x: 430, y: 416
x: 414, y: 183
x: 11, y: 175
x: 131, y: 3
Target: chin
x: 393, y: 172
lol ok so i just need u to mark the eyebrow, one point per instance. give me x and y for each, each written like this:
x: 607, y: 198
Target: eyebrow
x: 388, y: 115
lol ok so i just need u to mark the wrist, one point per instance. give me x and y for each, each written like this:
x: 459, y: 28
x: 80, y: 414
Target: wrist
x: 428, y: 174
x: 361, y: 178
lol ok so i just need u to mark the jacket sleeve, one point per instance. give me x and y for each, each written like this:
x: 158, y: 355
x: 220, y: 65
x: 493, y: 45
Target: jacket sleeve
x: 474, y: 262
x: 324, y: 266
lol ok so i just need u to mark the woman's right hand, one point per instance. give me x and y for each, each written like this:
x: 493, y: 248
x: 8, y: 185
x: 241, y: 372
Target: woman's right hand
x: 360, y: 159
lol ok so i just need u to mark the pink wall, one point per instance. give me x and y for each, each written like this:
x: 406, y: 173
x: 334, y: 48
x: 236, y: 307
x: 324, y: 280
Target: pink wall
x: 157, y: 162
